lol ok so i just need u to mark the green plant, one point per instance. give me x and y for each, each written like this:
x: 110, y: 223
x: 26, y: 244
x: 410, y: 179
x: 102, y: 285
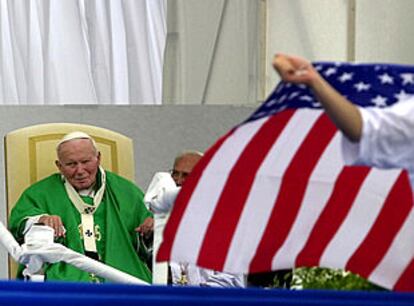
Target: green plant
x: 324, y: 278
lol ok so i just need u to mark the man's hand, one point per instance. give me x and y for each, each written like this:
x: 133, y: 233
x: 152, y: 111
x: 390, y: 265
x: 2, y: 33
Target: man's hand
x: 146, y: 227
x: 294, y: 69
x: 54, y: 222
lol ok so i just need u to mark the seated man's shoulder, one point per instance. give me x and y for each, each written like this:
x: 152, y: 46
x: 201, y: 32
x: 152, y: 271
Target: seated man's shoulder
x: 49, y: 181
x: 117, y: 181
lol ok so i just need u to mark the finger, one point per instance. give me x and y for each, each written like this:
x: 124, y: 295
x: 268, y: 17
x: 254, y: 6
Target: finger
x: 282, y: 64
x: 55, y: 223
x: 44, y: 220
x: 51, y: 224
x: 144, y: 231
x: 58, y: 230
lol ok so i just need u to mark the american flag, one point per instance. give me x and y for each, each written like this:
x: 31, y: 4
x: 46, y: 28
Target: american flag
x: 274, y: 193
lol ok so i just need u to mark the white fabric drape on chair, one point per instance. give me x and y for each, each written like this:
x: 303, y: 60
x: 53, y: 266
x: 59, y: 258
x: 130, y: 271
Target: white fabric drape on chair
x: 81, y: 51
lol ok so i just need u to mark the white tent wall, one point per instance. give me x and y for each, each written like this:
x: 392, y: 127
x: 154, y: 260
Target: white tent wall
x: 213, y: 51
x: 340, y: 30
x: 316, y: 29
x: 385, y: 31
x: 220, y: 51
x: 81, y: 51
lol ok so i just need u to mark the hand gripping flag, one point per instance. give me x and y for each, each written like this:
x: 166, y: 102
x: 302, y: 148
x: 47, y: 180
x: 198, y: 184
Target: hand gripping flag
x: 274, y: 193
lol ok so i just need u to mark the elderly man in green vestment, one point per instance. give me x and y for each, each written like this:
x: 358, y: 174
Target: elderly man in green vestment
x: 93, y: 211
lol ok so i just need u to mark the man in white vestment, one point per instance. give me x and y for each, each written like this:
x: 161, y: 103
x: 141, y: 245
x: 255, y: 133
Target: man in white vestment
x: 160, y: 197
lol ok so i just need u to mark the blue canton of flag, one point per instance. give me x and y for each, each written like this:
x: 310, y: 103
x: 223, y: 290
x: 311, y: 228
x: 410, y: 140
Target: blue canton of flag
x: 377, y: 85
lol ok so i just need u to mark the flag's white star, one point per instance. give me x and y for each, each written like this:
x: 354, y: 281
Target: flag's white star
x: 283, y: 107
x: 280, y: 87
x: 386, y: 79
x: 293, y: 95
x: 260, y: 114
x: 408, y: 78
x: 402, y: 95
x: 316, y: 104
x: 282, y: 98
x: 273, y: 111
x: 346, y: 76
x: 306, y: 98
x: 271, y: 103
x: 361, y: 86
x: 379, y: 101
x: 330, y: 71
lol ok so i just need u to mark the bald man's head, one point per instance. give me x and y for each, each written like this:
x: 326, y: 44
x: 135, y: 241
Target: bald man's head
x: 183, y: 165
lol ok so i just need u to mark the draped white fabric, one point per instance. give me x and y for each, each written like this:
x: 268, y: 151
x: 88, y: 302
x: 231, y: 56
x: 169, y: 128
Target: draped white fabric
x: 39, y: 248
x: 81, y: 51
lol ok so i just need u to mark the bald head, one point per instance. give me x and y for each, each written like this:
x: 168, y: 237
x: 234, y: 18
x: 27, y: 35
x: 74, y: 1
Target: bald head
x: 183, y: 165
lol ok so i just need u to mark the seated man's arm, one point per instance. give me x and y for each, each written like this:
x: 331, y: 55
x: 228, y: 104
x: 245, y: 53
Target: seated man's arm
x: 164, y: 201
x: 146, y: 222
x: 161, y: 193
x: 27, y: 212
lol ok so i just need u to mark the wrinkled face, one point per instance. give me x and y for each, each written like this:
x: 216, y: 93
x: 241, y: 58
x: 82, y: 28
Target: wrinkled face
x: 78, y: 161
x: 183, y: 167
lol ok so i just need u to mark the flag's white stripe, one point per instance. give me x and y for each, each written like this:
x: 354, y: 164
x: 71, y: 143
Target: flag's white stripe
x: 264, y: 191
x: 398, y: 256
x: 193, y: 225
x: 361, y: 217
x: 318, y: 192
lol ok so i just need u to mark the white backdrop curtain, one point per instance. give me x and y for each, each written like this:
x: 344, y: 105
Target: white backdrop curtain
x: 81, y: 51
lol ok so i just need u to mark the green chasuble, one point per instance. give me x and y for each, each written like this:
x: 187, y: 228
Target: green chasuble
x: 122, y: 210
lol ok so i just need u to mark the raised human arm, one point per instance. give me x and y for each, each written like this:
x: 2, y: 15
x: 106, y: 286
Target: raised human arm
x: 342, y: 112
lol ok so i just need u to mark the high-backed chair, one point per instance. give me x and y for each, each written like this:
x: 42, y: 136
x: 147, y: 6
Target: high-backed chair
x: 30, y: 155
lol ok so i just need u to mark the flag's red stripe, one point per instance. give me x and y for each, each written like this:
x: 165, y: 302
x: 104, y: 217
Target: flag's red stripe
x: 389, y: 221
x: 291, y: 193
x: 184, y: 197
x: 340, y: 202
x: 225, y: 218
x: 406, y: 280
